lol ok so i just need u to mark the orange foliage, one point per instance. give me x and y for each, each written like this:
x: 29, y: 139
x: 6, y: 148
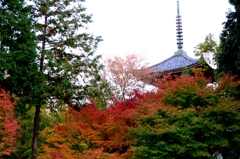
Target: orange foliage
x: 92, y: 133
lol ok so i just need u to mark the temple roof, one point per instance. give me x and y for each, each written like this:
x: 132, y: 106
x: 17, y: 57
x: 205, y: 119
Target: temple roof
x: 180, y: 59
x: 175, y: 62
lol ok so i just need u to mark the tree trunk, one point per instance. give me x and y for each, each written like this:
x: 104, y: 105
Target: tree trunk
x: 37, y: 112
x: 35, y: 131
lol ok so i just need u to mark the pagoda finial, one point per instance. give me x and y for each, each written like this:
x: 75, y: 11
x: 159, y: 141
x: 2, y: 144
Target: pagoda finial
x: 178, y: 12
x: 179, y: 29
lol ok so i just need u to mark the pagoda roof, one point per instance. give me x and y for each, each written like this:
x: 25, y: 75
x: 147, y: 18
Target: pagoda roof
x: 180, y: 59
x: 175, y: 62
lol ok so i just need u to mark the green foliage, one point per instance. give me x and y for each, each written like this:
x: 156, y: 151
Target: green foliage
x: 189, y: 91
x: 189, y: 133
x: 229, y: 87
x: 209, y: 45
x: 48, y: 118
x: 18, y: 66
x: 67, y: 64
x: 205, y: 121
x: 100, y: 93
x: 228, y: 58
x: 206, y: 51
x: 187, y: 71
x: 68, y: 68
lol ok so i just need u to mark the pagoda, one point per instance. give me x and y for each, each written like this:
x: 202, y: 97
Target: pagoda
x: 176, y: 64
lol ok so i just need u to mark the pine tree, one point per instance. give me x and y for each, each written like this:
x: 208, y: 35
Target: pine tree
x: 18, y: 66
x: 228, y: 58
x: 67, y: 64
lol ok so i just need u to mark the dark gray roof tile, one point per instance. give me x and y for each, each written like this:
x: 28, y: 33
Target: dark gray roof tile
x: 175, y: 62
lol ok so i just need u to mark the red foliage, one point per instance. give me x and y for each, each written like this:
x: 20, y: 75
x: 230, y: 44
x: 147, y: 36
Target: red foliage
x: 101, y: 133
x: 107, y: 128
x: 57, y: 155
x: 92, y: 133
x: 8, y: 125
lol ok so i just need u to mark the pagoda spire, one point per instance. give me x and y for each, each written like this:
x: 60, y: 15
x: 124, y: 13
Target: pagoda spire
x: 179, y: 29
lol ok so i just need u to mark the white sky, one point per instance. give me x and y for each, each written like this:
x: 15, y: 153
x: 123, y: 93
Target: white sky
x: 148, y: 27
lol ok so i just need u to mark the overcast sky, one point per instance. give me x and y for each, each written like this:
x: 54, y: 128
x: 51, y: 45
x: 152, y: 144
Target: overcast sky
x: 148, y: 27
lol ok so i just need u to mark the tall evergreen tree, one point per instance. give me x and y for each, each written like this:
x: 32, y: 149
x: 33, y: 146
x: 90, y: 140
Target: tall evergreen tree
x: 17, y: 49
x: 228, y: 58
x: 18, y: 67
x: 68, y: 67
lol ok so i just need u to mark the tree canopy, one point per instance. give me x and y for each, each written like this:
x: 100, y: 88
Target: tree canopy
x: 47, y: 55
x: 209, y: 45
x: 68, y: 68
x: 18, y: 67
x: 126, y: 74
x: 196, y: 122
x: 9, y: 126
x: 228, y: 58
x: 183, y: 119
x: 49, y: 72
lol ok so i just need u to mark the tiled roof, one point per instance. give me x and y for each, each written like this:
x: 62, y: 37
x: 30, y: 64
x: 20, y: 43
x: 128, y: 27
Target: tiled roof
x: 175, y: 62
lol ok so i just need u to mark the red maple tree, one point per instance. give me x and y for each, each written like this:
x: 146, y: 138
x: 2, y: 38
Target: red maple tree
x: 9, y: 126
